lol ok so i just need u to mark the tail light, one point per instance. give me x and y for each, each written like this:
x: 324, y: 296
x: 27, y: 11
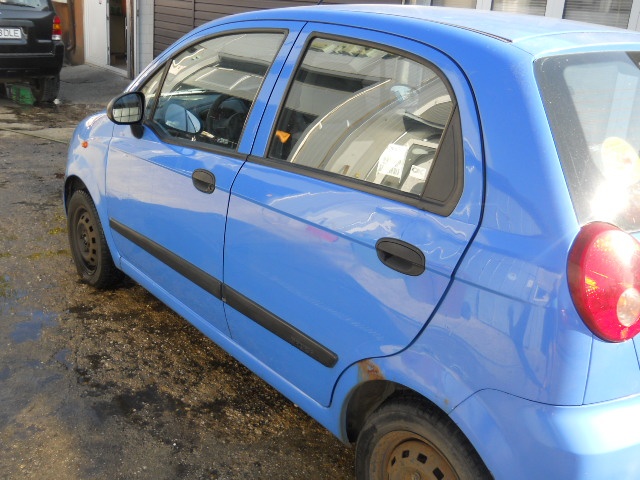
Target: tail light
x: 604, y: 280
x: 56, y: 33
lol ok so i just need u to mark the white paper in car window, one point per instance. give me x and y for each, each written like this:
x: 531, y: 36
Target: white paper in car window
x: 419, y: 173
x: 392, y: 160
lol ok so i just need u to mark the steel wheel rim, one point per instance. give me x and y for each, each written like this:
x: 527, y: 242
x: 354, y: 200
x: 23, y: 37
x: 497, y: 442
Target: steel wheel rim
x: 406, y: 456
x: 86, y: 241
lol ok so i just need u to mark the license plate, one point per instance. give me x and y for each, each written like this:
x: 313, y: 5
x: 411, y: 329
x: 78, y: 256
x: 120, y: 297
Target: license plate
x: 10, y: 33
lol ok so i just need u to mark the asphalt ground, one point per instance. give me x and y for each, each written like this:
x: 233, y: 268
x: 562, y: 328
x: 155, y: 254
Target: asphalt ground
x: 86, y: 87
x: 112, y: 384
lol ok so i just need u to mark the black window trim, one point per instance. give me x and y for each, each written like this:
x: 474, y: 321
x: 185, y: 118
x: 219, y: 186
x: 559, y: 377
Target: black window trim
x: 166, y: 138
x: 236, y: 300
x: 453, y: 127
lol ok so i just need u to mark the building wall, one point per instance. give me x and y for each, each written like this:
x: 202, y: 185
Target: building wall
x: 70, y: 13
x: 174, y: 18
x: 160, y: 22
x: 144, y: 53
x: 615, y: 13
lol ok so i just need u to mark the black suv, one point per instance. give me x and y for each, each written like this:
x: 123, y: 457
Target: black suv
x: 31, y: 48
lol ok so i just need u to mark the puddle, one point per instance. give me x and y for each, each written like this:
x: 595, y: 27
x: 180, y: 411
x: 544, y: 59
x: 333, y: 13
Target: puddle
x: 31, y: 329
x: 6, y: 290
x: 26, y: 325
x: 62, y: 358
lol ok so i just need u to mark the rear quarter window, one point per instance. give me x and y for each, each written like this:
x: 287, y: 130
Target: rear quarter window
x: 593, y: 104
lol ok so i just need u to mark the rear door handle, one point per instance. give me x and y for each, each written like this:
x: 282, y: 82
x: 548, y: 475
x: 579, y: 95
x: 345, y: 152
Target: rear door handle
x: 204, y: 180
x: 401, y: 256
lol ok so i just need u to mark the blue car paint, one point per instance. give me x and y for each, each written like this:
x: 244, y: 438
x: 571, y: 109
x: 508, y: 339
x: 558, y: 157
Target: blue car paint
x: 87, y: 162
x: 530, y: 440
x: 506, y: 342
x: 150, y: 190
x: 283, y: 225
x: 318, y: 240
x: 607, y: 381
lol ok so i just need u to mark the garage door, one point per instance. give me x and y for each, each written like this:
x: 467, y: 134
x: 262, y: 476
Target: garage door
x: 174, y: 18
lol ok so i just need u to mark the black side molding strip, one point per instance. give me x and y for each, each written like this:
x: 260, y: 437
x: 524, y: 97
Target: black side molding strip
x: 279, y: 327
x: 231, y: 297
x: 201, y: 278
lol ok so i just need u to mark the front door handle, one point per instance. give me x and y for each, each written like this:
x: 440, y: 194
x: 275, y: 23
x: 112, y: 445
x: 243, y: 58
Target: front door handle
x: 401, y: 256
x: 204, y: 180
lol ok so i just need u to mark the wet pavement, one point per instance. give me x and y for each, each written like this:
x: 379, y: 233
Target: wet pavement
x: 113, y: 385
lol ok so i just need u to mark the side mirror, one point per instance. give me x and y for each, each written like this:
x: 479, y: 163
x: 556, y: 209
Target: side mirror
x: 127, y: 109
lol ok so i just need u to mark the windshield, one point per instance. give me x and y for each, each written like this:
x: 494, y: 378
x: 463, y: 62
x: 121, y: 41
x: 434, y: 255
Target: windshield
x: 593, y: 104
x: 37, y: 4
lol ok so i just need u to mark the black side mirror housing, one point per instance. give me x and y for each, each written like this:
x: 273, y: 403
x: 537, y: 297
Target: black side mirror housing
x: 126, y: 109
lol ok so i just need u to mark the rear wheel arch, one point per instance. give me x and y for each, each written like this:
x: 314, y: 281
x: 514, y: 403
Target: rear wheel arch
x: 364, y: 401
x: 369, y: 396
x: 408, y: 436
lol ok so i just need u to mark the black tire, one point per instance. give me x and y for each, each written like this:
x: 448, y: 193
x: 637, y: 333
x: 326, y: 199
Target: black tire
x: 45, y: 89
x: 409, y: 438
x: 89, y: 248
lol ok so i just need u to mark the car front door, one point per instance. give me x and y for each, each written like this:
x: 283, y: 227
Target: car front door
x: 363, y: 191
x: 168, y: 182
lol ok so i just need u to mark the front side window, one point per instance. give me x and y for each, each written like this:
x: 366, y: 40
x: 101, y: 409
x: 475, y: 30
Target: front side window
x: 358, y: 112
x: 210, y: 87
x: 593, y: 104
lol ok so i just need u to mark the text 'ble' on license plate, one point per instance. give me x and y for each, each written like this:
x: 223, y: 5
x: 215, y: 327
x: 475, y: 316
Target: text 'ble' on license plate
x: 10, y: 32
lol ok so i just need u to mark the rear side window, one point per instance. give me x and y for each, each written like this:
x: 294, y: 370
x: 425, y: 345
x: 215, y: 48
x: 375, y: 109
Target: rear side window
x: 593, y: 104
x: 371, y: 116
x: 210, y: 87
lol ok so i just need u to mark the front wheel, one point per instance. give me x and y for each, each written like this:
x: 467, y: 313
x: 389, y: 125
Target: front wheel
x: 406, y: 438
x: 89, y: 248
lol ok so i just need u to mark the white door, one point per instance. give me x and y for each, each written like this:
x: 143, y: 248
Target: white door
x: 96, y: 40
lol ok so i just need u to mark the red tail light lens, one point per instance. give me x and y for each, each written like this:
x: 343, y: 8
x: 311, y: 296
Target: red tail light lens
x: 56, y: 33
x: 604, y: 279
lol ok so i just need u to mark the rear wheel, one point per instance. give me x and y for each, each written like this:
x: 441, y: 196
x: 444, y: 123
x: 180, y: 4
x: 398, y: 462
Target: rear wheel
x: 45, y: 89
x: 89, y: 248
x: 407, y: 438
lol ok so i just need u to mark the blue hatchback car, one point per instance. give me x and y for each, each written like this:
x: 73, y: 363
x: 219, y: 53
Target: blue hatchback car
x: 420, y: 224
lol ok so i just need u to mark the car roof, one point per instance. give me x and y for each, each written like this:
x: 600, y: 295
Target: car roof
x: 537, y: 35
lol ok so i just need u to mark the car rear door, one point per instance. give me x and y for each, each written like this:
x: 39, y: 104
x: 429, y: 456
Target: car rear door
x: 168, y: 183
x: 362, y: 193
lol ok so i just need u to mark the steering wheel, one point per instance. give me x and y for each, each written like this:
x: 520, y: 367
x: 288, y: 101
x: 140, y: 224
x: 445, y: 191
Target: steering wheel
x: 225, y: 119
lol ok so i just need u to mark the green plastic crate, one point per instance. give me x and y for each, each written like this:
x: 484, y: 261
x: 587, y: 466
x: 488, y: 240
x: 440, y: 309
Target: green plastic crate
x: 21, y: 94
